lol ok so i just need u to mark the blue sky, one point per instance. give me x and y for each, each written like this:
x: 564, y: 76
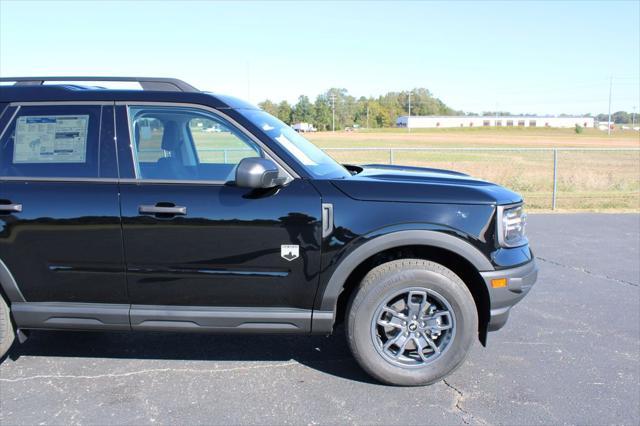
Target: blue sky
x: 540, y: 57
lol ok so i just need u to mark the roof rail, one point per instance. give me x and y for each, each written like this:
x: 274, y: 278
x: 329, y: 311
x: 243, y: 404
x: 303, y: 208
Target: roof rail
x: 147, y: 83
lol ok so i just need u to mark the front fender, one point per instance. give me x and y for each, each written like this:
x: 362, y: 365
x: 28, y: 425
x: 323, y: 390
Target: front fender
x: 329, y: 298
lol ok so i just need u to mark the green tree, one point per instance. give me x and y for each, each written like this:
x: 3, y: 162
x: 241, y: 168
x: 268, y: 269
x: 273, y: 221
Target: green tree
x: 269, y: 107
x: 383, y: 110
x: 620, y: 117
x: 303, y: 110
x: 345, y: 107
x: 322, y: 113
x: 284, y: 112
x: 378, y: 115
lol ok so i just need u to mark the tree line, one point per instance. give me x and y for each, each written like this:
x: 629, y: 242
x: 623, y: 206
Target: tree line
x: 381, y: 111
x: 618, y: 117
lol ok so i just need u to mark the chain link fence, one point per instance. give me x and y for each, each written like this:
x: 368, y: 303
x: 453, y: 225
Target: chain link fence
x: 548, y: 178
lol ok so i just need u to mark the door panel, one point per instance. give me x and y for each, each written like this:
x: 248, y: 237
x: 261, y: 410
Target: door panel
x: 226, y: 249
x: 192, y: 237
x: 65, y: 243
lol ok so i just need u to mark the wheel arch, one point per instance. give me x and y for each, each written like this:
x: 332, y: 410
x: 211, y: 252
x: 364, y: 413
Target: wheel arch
x: 452, y: 252
x: 9, y: 289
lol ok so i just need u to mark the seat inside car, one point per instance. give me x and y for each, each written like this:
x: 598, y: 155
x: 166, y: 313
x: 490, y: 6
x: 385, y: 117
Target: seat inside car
x: 172, y: 166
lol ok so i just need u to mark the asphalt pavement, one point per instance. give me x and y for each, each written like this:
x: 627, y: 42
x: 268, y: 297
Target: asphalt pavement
x: 570, y: 353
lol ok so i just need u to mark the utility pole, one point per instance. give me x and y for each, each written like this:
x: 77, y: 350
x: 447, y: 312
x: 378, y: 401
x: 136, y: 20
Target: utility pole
x: 333, y: 112
x: 609, y: 123
x: 409, y: 117
x: 367, y: 115
x: 633, y: 118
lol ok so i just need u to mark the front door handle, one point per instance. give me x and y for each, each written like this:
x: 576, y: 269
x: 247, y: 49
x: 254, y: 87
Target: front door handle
x: 169, y: 210
x: 10, y: 208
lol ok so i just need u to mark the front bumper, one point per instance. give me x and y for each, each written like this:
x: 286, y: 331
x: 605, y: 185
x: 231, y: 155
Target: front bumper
x: 519, y: 282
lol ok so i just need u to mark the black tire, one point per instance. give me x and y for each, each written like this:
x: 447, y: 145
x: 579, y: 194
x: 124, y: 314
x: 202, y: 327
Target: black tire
x: 410, y: 276
x: 7, y: 333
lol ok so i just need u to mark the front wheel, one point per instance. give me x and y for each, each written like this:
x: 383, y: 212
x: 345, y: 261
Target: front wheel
x: 411, y: 322
x: 7, y: 333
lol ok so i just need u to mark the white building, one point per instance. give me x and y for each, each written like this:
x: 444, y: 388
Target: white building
x: 435, y: 121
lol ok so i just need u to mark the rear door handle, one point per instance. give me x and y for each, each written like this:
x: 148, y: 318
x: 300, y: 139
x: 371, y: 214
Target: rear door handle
x: 175, y: 210
x: 10, y: 208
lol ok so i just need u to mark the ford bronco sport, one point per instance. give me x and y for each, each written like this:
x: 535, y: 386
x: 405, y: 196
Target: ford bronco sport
x: 168, y: 208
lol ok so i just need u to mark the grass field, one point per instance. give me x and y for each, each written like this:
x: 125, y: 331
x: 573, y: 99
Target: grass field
x: 586, y: 180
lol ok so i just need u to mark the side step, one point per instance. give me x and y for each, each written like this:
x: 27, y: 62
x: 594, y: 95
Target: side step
x: 103, y: 316
x: 220, y: 319
x: 71, y: 316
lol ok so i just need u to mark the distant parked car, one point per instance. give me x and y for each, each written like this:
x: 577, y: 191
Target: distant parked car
x: 303, y: 127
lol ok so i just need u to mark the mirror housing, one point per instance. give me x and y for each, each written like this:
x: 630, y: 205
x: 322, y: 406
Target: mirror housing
x: 257, y: 173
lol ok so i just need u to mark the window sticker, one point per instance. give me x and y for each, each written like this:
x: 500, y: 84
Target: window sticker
x: 51, y: 139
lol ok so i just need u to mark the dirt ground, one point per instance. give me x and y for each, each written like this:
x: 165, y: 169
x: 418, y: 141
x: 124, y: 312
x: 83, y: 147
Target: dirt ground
x: 543, y: 138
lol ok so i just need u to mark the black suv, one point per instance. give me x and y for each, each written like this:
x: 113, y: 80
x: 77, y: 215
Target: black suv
x: 168, y: 208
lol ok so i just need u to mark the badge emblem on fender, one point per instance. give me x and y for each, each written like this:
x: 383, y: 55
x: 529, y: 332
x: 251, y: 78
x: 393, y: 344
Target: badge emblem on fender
x: 290, y: 252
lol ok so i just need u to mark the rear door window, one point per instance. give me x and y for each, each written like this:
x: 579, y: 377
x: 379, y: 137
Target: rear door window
x: 59, y: 141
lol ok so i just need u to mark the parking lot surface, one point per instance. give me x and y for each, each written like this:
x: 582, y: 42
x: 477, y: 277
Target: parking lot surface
x: 569, y: 354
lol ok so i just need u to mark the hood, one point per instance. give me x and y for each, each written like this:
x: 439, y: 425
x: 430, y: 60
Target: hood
x: 422, y: 185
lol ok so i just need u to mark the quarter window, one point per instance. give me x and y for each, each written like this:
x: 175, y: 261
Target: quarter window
x: 59, y: 141
x: 180, y: 143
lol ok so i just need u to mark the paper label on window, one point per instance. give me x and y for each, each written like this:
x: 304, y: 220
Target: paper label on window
x: 51, y: 139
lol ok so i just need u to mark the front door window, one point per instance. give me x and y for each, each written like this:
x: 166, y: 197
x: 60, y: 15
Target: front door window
x: 181, y: 143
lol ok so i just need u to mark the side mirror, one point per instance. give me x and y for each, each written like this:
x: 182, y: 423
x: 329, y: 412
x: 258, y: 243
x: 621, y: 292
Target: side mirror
x: 256, y: 173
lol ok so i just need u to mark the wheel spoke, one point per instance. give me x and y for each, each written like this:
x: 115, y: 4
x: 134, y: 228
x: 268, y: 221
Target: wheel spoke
x: 394, y: 322
x: 431, y: 343
x: 394, y: 313
x: 434, y: 326
x: 403, y: 345
x: 417, y: 308
x: 392, y: 341
x: 421, y: 347
x: 400, y: 341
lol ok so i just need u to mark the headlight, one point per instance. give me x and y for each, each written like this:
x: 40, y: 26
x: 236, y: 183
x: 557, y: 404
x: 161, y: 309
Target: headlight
x: 512, y: 221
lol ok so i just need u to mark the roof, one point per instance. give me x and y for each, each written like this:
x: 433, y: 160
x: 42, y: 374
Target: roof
x: 147, y: 83
x: 154, y: 89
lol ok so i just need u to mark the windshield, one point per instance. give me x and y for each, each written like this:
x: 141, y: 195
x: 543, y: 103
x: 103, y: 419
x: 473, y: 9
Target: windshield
x: 314, y: 160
